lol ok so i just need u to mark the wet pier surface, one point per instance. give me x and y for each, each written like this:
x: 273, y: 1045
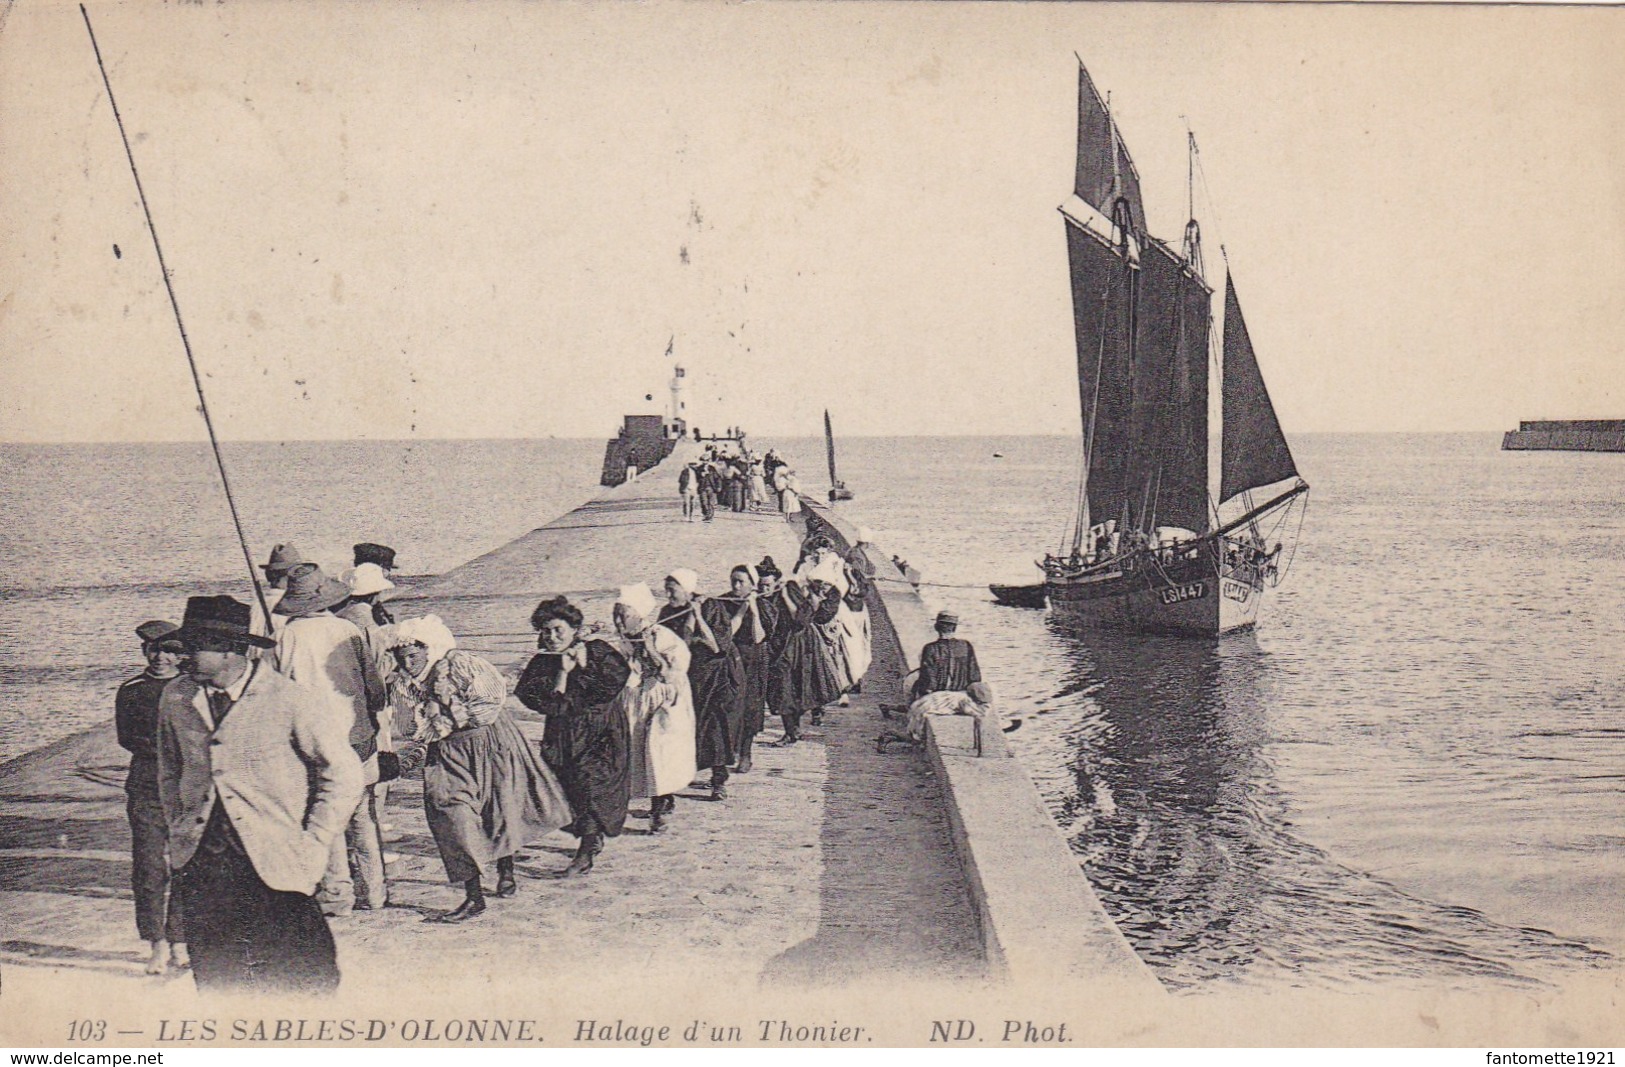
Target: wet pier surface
x: 829, y: 863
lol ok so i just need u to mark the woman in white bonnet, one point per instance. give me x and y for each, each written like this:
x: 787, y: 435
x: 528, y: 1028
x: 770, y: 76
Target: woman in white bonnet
x: 486, y: 794
x: 659, y: 705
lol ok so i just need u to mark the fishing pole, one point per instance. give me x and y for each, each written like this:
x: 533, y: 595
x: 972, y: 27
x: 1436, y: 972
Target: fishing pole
x: 186, y: 343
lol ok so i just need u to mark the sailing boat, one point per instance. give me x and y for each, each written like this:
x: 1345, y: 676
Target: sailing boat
x: 1150, y: 549
x: 837, y: 488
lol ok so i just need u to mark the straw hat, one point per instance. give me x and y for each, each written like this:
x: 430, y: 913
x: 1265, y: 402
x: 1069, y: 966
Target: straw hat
x: 310, y: 591
x: 368, y: 578
x: 284, y: 558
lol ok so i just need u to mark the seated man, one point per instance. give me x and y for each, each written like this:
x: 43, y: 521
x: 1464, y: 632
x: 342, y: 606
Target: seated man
x: 978, y: 701
x: 948, y: 663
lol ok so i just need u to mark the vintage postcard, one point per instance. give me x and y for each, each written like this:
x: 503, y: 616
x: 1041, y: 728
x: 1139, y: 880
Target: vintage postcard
x: 825, y: 524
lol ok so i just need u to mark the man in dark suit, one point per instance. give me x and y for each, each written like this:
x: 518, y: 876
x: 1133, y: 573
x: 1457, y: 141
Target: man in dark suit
x: 257, y: 779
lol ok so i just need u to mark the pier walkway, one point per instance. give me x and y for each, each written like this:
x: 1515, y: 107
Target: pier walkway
x: 828, y: 864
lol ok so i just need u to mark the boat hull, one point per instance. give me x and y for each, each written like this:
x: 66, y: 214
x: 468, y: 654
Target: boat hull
x: 1191, y: 598
x: 1018, y: 596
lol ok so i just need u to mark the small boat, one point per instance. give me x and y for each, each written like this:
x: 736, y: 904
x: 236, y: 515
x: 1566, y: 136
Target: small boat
x: 1019, y: 596
x: 837, y: 488
x: 998, y: 455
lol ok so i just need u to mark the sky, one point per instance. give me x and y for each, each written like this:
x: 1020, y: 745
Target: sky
x: 446, y: 220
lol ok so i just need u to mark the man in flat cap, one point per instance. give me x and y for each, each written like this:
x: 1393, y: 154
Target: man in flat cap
x: 947, y: 664
x: 135, y: 716
x: 257, y: 780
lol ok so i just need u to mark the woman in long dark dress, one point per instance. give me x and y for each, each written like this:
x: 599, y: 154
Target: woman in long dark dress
x: 752, y: 617
x: 486, y: 795
x: 587, y: 741
x: 803, y: 675
x: 715, y: 673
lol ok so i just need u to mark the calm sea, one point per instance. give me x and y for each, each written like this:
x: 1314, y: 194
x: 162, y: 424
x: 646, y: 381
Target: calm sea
x: 1411, y: 773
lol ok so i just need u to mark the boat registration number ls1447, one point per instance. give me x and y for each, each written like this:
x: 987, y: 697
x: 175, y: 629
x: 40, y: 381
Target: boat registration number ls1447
x: 1177, y: 594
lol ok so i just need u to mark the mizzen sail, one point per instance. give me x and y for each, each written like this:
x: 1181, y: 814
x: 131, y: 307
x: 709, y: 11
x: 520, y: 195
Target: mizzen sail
x: 1255, y: 451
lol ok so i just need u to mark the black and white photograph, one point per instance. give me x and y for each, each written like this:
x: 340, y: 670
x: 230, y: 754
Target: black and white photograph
x: 824, y: 524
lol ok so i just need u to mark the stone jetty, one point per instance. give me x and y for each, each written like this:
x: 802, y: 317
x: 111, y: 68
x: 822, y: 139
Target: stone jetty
x: 830, y: 865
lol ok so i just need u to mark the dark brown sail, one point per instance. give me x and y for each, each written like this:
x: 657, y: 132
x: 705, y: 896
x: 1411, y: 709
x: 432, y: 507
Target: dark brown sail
x: 1168, y: 465
x: 1255, y: 451
x: 1102, y: 313
x: 1105, y: 170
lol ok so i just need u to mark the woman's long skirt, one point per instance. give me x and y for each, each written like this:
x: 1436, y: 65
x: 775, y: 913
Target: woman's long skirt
x: 717, y: 683
x: 753, y: 695
x: 856, y: 641
x: 805, y: 677
x: 662, y: 737
x: 487, y: 795
x: 592, y: 755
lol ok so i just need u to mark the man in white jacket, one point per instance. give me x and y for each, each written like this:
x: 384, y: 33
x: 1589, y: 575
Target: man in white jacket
x: 257, y: 780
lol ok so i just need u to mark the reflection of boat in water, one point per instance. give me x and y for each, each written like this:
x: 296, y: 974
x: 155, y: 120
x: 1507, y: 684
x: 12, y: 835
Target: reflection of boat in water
x: 1151, y: 548
x: 1164, y: 773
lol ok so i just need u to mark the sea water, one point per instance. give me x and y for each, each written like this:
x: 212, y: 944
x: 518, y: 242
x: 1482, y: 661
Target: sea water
x: 1410, y: 773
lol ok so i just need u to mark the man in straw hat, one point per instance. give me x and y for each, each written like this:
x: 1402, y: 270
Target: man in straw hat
x: 257, y: 781
x: 283, y: 561
x: 947, y: 664
x: 321, y: 652
x: 135, y: 715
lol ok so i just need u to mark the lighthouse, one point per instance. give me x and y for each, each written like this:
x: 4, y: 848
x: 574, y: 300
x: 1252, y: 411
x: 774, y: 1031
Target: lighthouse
x: 677, y: 414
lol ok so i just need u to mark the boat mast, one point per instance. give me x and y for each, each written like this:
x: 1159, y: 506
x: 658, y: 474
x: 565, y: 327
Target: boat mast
x: 829, y: 446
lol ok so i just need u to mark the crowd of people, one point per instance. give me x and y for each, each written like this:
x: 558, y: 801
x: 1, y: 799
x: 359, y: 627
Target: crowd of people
x: 739, y: 480
x: 252, y: 828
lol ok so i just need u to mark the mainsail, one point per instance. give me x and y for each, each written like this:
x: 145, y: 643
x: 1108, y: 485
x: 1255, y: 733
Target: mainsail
x: 1254, y: 449
x: 1168, y: 470
x: 1142, y: 316
x: 1102, y: 315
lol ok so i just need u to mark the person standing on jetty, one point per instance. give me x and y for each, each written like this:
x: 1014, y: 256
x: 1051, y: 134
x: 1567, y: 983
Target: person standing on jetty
x: 369, y: 587
x: 716, y: 677
x: 135, y: 716
x: 485, y: 794
x: 319, y: 651
x: 257, y: 781
x: 947, y: 664
x: 658, y: 704
x: 749, y: 625
x: 707, y: 476
x: 805, y: 676
x: 688, y: 487
x: 284, y: 560
x: 382, y: 557
x: 577, y: 685
x: 856, y: 637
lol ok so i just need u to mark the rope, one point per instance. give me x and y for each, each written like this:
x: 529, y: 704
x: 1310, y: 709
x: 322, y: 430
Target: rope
x: 197, y: 379
x: 1281, y: 573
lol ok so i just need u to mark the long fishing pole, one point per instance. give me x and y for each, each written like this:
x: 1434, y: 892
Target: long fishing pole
x: 186, y: 343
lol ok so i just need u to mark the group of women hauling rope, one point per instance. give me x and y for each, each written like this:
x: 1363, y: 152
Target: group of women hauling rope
x: 676, y: 685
